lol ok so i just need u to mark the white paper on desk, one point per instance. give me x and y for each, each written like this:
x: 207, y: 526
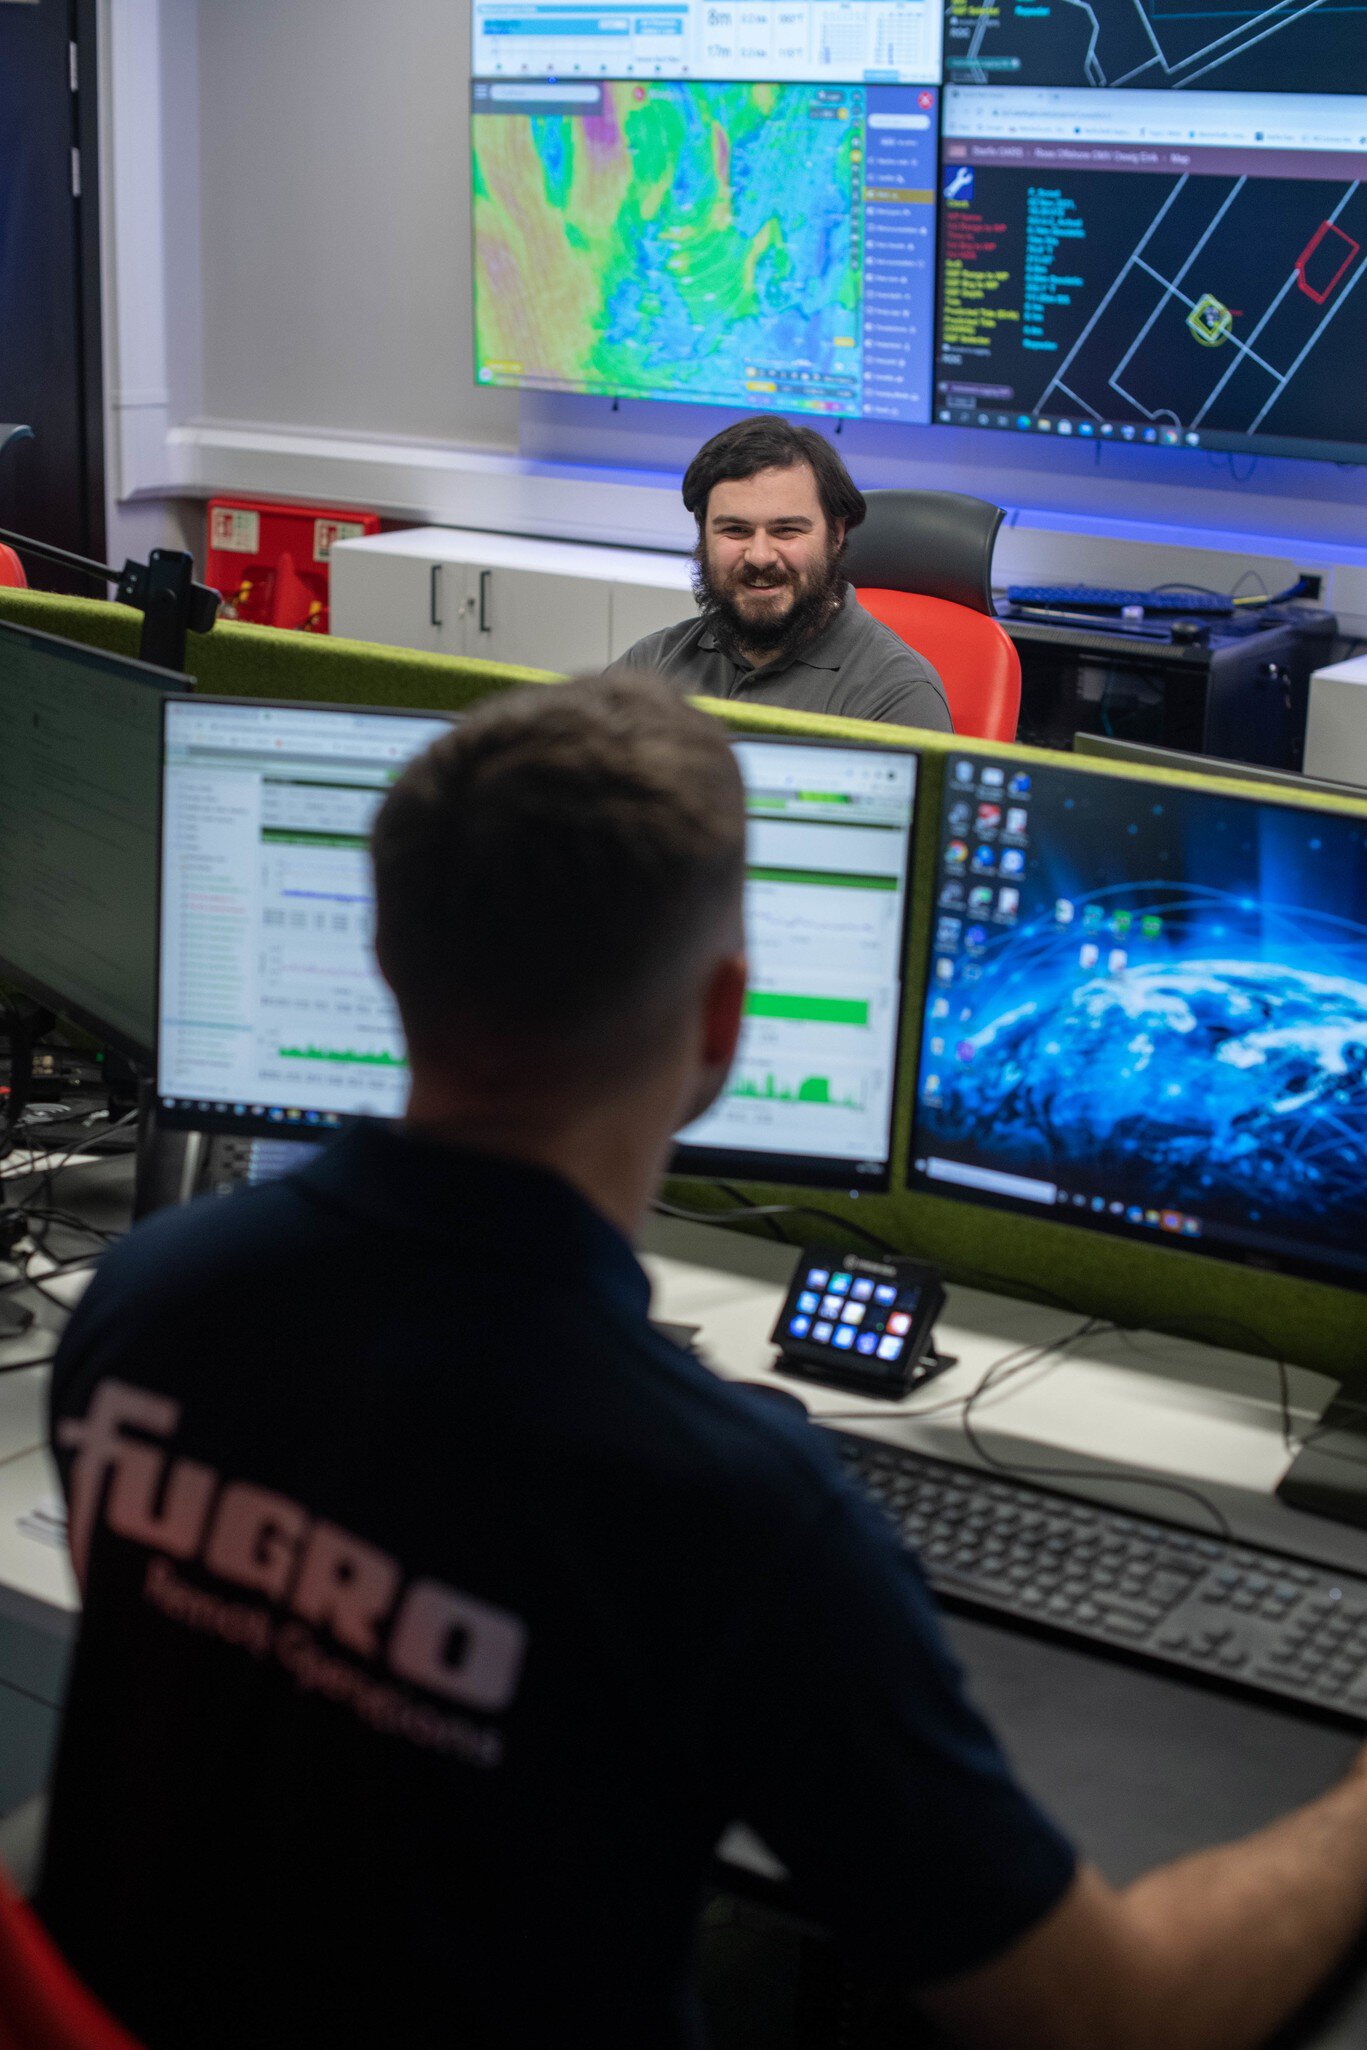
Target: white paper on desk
x: 45, y: 1522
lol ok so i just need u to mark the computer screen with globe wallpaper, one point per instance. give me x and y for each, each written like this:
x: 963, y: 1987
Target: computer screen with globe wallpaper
x: 1146, y: 1010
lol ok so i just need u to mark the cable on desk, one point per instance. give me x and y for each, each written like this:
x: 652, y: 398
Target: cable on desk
x: 1129, y: 1475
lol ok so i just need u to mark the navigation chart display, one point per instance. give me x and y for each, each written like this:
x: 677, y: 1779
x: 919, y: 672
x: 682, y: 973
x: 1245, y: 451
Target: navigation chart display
x: 810, y: 1097
x: 758, y: 245
x: 1304, y: 46
x: 1138, y: 268
x: 1147, y: 1012
x: 274, y: 1019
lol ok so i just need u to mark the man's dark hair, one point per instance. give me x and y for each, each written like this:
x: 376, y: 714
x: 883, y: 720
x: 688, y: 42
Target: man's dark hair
x: 766, y: 441
x: 549, y: 874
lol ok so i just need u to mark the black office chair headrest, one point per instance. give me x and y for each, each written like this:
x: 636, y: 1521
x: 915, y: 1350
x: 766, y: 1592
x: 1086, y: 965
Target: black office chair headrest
x: 936, y: 542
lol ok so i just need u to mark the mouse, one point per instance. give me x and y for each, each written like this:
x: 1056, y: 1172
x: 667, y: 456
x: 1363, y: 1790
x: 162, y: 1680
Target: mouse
x: 782, y: 1396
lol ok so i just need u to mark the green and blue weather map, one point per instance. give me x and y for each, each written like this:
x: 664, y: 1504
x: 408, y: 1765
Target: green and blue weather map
x: 676, y: 239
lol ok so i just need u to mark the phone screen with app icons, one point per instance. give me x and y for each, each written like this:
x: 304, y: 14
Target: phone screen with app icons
x: 858, y: 1320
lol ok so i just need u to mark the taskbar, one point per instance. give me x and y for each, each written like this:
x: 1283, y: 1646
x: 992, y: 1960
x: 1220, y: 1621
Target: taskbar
x: 1145, y: 434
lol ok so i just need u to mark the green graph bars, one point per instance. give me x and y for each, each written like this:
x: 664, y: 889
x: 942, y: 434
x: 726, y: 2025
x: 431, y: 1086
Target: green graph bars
x: 772, y: 1003
x: 813, y: 1089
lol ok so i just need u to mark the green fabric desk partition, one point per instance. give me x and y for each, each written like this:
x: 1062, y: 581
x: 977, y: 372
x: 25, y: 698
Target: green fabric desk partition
x: 1307, y: 1322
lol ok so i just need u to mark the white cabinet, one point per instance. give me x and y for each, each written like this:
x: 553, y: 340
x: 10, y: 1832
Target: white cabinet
x: 539, y: 604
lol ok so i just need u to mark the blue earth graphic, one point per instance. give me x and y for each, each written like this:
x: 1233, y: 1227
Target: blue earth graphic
x: 1226, y: 1082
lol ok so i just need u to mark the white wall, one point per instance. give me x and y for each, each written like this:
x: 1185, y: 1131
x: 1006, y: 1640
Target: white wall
x: 289, y: 245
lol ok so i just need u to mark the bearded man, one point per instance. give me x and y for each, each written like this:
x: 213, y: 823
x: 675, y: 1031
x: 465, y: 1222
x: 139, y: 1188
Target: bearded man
x: 777, y: 622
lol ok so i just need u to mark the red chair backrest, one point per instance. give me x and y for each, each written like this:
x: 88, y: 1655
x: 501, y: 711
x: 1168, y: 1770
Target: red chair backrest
x: 43, y: 2005
x: 11, y: 569
x: 975, y: 656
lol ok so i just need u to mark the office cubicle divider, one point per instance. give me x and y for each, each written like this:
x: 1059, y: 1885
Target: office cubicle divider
x: 1311, y: 1323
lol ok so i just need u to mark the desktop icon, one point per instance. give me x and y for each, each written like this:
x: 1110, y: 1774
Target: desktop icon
x: 1151, y: 925
x: 1116, y: 960
x: 989, y: 818
x: 944, y: 969
x: 1063, y: 911
x: 993, y: 779
x: 822, y: 1333
x: 976, y: 936
x: 843, y: 1338
x: 840, y: 1284
x: 1019, y: 785
x: 899, y: 1323
x: 866, y: 1341
x: 964, y: 772
x: 817, y: 1277
x: 1121, y: 922
x: 931, y: 1086
x: 952, y: 896
x: 800, y: 1326
x: 980, y: 897
x: 885, y: 1293
x: 1013, y: 861
x: 853, y: 1313
x: 861, y: 1291
x: 960, y: 816
x: 939, y: 1009
x: 832, y: 1305
x: 1017, y: 819
x: 956, y: 854
x: 809, y: 1302
x: 984, y: 859
x: 890, y: 1348
x: 937, y: 1047
x: 1008, y: 903
x: 1088, y: 954
x: 947, y: 932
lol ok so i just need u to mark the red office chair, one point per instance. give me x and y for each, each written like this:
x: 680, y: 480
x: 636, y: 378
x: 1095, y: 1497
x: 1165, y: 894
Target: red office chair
x: 921, y: 563
x: 11, y: 569
x: 43, y: 2005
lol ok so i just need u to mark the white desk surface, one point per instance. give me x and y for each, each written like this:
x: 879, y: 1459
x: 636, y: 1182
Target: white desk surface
x: 1168, y: 1407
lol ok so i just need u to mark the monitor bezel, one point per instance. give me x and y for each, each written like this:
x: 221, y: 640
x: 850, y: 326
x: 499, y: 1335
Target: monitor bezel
x: 1113, y: 751
x: 169, y: 684
x: 815, y: 1171
x: 1262, y: 1259
x: 177, y: 1114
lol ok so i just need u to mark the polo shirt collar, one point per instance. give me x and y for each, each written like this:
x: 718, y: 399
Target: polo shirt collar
x: 829, y: 650
x: 491, y: 1208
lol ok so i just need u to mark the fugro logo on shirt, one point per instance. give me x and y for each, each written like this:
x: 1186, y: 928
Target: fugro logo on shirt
x: 329, y: 1584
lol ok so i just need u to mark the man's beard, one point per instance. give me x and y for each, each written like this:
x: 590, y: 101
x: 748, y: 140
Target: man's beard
x: 816, y: 600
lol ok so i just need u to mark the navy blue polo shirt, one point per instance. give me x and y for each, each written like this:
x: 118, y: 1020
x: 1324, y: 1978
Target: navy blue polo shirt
x: 440, y: 1615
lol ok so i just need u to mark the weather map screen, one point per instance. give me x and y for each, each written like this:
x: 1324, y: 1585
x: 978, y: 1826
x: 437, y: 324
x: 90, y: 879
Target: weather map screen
x: 810, y: 1096
x: 765, y: 245
x: 273, y: 1019
x: 1147, y: 1012
x: 1228, y: 45
x: 1148, y: 267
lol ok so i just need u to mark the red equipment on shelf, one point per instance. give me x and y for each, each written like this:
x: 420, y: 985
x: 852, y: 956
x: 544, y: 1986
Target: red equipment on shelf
x: 271, y: 561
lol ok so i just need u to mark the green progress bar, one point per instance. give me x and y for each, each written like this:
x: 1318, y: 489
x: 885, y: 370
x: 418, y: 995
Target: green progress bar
x: 341, y: 1053
x: 769, y: 1003
x: 831, y: 878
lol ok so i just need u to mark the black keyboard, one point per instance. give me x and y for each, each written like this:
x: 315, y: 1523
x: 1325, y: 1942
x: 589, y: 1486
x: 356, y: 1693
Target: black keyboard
x: 1094, y: 598
x: 1264, y: 1622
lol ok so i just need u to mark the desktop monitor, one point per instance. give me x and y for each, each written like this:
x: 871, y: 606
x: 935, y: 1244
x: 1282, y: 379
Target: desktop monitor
x: 1105, y: 747
x: 810, y: 1097
x: 273, y: 1019
x: 1146, y: 1013
x: 80, y: 748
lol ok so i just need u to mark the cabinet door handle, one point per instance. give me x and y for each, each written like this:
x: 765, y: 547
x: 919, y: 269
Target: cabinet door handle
x: 434, y: 596
x: 486, y: 578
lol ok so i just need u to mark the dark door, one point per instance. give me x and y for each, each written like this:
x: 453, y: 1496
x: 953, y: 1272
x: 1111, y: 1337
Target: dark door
x: 53, y: 487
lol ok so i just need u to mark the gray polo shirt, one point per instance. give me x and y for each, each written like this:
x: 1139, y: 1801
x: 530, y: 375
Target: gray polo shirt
x: 856, y: 667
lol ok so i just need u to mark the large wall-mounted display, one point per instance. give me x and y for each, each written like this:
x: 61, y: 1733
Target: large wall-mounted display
x: 1143, y: 267
x: 740, y: 244
x: 1099, y: 230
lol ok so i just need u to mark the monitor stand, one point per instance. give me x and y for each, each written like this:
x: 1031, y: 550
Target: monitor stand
x: 1328, y: 1476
